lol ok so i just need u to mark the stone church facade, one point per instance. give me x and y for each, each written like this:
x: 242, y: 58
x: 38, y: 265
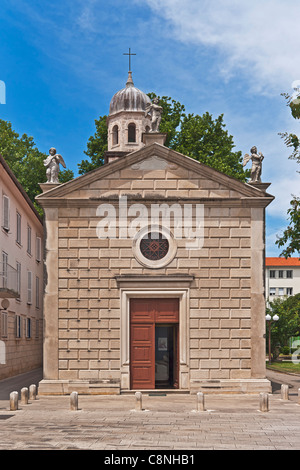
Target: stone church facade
x: 155, y: 271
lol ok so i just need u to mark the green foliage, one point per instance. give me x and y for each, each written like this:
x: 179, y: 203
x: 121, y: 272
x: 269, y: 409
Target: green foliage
x: 200, y: 137
x: 290, y: 139
x: 25, y: 161
x: 287, y: 367
x: 288, y: 310
x: 206, y: 140
x: 291, y: 235
x: 290, y: 239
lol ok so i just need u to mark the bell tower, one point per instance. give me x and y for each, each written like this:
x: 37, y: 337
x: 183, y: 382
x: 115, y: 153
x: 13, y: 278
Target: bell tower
x: 127, y: 122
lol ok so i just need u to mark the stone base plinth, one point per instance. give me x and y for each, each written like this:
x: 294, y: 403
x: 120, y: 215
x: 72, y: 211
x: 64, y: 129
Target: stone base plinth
x: 47, y: 186
x: 247, y: 386
x: 65, y: 387
x: 262, y: 186
x: 150, y: 138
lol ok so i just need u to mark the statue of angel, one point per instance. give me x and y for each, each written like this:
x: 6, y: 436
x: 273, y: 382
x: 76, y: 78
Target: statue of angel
x: 257, y: 159
x: 52, y: 163
x: 155, y: 112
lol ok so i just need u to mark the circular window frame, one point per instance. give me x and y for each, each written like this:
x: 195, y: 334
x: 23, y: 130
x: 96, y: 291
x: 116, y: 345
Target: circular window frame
x: 154, y: 264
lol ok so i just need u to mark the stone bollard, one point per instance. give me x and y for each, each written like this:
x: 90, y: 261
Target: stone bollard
x: 13, y: 401
x: 24, y: 396
x: 74, y: 401
x: 138, y: 401
x: 32, y: 392
x: 284, y: 392
x: 264, y: 402
x: 200, y: 402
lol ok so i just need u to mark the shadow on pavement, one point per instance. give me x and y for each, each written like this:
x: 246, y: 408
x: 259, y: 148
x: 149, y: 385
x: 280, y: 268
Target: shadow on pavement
x: 17, y: 382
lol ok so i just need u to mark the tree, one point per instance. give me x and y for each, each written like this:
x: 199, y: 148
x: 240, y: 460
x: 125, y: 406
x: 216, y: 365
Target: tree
x: 206, y: 140
x: 200, y: 137
x: 288, y: 310
x: 290, y: 139
x: 26, y: 161
x: 291, y: 236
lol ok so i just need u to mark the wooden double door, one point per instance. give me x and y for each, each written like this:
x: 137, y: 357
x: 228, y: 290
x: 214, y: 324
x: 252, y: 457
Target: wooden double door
x: 154, y: 353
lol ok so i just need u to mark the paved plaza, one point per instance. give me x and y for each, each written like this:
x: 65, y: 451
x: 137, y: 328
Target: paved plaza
x: 170, y: 422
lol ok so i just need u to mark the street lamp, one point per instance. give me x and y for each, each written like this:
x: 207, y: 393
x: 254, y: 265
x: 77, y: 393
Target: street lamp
x: 270, y: 320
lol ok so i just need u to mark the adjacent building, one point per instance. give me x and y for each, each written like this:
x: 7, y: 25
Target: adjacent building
x: 21, y: 278
x: 282, y: 277
x: 155, y: 270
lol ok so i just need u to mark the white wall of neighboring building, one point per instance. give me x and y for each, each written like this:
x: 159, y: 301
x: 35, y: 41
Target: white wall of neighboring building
x: 282, y: 277
x: 21, y: 326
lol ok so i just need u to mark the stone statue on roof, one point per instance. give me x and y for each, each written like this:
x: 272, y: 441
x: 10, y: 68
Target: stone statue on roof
x: 256, y: 169
x: 52, y: 163
x: 155, y: 112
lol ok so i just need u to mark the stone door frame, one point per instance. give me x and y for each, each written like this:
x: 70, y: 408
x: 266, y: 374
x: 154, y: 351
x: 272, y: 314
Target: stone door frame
x: 182, y: 293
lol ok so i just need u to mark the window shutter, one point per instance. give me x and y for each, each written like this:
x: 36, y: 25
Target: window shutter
x: 18, y: 239
x: 29, y: 288
x: 18, y: 326
x: 5, y: 213
x: 38, y: 249
x: 37, y: 292
x: 4, y: 328
x: 29, y: 239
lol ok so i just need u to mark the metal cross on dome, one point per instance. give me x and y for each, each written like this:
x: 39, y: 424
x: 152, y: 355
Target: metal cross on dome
x: 129, y: 54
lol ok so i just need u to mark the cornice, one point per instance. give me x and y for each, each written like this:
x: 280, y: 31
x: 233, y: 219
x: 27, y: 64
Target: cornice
x: 159, y: 151
x: 147, y: 201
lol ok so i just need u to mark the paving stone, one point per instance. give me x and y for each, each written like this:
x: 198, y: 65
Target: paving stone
x: 108, y: 423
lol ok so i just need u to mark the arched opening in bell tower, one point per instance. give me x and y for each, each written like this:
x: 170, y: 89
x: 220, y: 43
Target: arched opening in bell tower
x: 131, y: 133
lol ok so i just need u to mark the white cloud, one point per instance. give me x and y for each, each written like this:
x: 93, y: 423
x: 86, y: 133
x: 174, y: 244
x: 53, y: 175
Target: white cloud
x: 259, y: 38
x: 272, y: 235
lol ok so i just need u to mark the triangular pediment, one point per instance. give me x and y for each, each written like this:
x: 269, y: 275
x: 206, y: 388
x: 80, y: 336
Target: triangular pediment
x: 154, y: 171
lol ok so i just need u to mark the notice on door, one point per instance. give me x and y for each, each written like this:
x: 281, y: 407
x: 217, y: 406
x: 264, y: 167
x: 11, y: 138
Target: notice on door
x: 162, y: 344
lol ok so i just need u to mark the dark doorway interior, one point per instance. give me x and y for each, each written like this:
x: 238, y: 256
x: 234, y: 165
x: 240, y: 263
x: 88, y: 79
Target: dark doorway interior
x: 165, y: 356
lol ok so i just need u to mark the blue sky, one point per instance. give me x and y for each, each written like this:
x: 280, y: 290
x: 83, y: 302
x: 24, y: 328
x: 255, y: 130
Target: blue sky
x: 63, y: 61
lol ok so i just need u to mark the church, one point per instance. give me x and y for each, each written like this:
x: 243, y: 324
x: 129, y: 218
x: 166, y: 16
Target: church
x: 154, y: 269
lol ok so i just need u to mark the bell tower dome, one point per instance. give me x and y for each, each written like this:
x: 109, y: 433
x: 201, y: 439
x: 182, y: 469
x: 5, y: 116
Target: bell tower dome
x: 126, y: 121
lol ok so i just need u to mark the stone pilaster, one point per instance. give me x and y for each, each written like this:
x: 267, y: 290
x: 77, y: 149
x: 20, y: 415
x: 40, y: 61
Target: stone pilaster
x: 51, y: 296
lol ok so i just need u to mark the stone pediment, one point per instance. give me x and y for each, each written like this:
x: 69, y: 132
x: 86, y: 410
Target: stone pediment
x: 154, y: 172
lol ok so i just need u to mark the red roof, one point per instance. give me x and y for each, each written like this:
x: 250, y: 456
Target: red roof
x: 282, y: 262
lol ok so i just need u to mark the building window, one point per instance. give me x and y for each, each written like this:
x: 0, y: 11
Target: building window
x: 29, y: 239
x: 37, y: 292
x: 4, y: 328
x: 18, y: 326
x: 280, y: 291
x: 272, y: 291
x: 19, y: 279
x: 18, y: 235
x: 5, y: 220
x: 154, y: 246
x: 289, y: 274
x: 280, y: 274
x: 4, y: 270
x: 115, y: 135
x: 38, y: 249
x: 29, y: 287
x: 28, y: 327
x: 131, y: 133
x: 289, y: 291
x: 272, y: 274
